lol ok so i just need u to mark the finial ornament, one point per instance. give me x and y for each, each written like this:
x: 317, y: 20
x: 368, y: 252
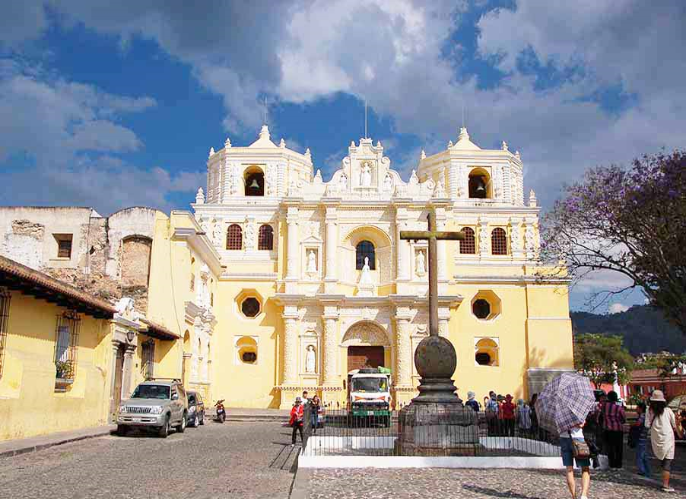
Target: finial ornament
x: 422, y: 155
x: 518, y: 155
x: 264, y: 132
x: 200, y: 196
x: 504, y: 147
x: 211, y: 152
x: 464, y: 135
x: 282, y: 144
x: 378, y: 144
x: 308, y: 154
x: 450, y: 144
x: 227, y: 143
x: 532, y: 198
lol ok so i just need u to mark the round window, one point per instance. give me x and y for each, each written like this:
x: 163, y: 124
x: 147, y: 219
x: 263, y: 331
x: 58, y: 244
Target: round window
x: 249, y: 357
x: 483, y: 359
x: 481, y: 308
x: 250, y: 307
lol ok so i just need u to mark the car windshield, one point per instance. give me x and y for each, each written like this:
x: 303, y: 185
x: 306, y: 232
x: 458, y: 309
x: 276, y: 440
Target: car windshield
x: 151, y: 392
x: 191, y: 399
x: 370, y: 384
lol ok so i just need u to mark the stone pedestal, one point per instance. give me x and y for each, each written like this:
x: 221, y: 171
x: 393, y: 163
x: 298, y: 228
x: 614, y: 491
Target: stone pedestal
x: 441, y: 429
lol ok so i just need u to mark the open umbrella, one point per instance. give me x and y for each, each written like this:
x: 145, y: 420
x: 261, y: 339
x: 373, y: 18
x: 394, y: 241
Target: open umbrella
x: 565, y: 402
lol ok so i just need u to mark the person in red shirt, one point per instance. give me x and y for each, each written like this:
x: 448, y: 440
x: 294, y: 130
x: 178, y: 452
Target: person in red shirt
x: 296, y: 421
x: 507, y: 411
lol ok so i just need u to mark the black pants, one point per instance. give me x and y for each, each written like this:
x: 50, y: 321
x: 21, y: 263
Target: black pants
x: 297, y: 427
x: 509, y: 427
x: 614, y: 445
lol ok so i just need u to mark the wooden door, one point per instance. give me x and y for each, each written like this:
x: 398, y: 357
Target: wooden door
x: 360, y: 357
x: 118, y: 376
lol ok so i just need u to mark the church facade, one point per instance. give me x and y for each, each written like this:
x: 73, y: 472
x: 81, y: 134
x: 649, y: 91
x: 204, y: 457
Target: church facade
x: 310, y: 280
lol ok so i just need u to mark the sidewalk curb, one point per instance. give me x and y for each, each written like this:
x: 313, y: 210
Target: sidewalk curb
x: 67, y: 439
x: 300, y: 482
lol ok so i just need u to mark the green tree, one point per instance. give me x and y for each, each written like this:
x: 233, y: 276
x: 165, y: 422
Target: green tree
x: 601, y: 358
x: 667, y: 364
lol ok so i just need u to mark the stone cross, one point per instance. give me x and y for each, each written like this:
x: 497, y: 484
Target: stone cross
x: 432, y: 235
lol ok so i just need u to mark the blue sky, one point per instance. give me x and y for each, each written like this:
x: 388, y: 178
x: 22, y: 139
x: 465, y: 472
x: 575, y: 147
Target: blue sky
x: 111, y: 104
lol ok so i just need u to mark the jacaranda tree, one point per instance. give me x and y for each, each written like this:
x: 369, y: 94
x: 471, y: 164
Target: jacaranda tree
x: 627, y: 220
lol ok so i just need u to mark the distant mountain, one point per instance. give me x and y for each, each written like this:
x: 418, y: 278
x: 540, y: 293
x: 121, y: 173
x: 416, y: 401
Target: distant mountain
x: 643, y: 328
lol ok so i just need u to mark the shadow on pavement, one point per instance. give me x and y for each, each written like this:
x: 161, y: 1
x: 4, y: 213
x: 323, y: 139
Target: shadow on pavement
x: 498, y: 493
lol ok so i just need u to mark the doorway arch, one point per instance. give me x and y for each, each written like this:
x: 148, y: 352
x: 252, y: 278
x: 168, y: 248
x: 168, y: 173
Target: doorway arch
x: 366, y: 344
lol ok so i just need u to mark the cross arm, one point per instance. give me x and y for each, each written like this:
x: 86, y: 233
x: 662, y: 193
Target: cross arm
x: 417, y: 235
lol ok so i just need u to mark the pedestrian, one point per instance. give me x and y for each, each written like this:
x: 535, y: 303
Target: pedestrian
x: 534, y: 417
x: 491, y: 409
x: 305, y: 398
x: 567, y: 439
x: 523, y: 417
x: 315, y: 407
x: 613, y: 429
x: 638, y: 435
x: 296, y: 421
x: 662, y: 424
x: 507, y: 409
x: 472, y: 402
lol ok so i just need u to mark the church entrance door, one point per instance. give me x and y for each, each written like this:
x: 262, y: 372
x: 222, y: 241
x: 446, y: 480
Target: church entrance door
x: 365, y: 356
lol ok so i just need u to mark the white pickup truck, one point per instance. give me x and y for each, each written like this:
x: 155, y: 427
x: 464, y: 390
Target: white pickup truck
x: 369, y: 396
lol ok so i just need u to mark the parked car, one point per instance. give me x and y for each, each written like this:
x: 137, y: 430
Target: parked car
x: 154, y: 404
x: 196, y: 409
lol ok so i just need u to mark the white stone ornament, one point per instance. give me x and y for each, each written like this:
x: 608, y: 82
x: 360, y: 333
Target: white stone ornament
x: 504, y: 146
x: 227, y: 143
x: 532, y: 198
x: 200, y: 197
x: 420, y: 264
x: 282, y: 144
x: 310, y: 360
x: 217, y: 233
x: 343, y: 181
x: 366, y: 175
x: 422, y: 155
x: 414, y: 180
x: 211, y: 152
x: 388, y: 183
x: 249, y: 236
x: 366, y: 286
x: 318, y: 177
x: 484, y: 240
x: 311, y: 262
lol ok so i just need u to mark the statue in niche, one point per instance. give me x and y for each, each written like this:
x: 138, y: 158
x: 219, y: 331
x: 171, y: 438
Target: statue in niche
x: 343, y: 181
x: 311, y: 262
x: 366, y: 277
x: 388, y: 183
x: 420, y: 263
x: 310, y: 360
x: 366, y: 176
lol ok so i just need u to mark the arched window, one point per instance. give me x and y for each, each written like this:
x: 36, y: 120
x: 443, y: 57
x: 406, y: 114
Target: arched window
x: 498, y: 242
x: 234, y: 237
x: 362, y: 250
x: 478, y: 184
x: 254, y: 182
x: 266, y: 238
x: 468, y: 244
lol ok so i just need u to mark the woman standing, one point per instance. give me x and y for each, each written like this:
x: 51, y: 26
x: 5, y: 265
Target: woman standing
x: 613, y: 425
x: 315, y: 407
x: 662, y: 424
x: 296, y: 420
x: 567, y: 451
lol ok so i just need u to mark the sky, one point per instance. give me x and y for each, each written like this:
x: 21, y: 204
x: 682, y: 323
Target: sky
x: 113, y: 104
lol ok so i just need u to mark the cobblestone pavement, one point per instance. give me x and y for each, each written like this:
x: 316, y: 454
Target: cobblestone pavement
x: 472, y: 484
x: 246, y: 460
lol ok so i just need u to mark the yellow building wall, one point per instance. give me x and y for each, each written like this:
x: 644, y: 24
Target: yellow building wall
x: 29, y: 405
x: 240, y: 384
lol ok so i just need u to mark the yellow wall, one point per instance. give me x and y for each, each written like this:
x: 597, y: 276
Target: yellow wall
x: 29, y: 405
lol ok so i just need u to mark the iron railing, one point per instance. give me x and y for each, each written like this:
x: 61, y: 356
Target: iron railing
x: 339, y: 432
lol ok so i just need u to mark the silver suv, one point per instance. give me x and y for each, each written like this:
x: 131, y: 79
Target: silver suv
x: 158, y: 404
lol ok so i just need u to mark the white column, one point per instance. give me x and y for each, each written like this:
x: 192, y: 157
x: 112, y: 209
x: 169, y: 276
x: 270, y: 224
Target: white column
x: 331, y: 245
x: 292, y: 243
x: 403, y: 355
x: 290, y: 354
x: 403, y: 262
x: 330, y: 342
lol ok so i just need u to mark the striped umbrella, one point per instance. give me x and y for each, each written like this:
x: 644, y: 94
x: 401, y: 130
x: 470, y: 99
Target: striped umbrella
x: 565, y: 402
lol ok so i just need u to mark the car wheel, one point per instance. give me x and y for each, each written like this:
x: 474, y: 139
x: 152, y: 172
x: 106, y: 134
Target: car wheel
x: 202, y: 418
x: 122, y: 430
x: 196, y: 420
x: 182, y: 426
x: 163, y: 432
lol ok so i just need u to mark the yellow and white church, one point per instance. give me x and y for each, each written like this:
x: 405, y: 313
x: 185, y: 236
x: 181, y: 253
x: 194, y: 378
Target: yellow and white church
x: 298, y: 280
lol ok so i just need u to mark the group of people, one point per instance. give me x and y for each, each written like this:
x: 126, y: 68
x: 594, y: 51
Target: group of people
x: 297, y: 416
x: 504, y: 417
x: 603, y: 431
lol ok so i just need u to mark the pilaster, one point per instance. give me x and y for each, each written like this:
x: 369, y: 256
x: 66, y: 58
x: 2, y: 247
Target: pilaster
x: 330, y: 343
x: 331, y: 220
x: 292, y: 249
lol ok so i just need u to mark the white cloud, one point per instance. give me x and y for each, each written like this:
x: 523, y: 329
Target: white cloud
x: 616, y: 308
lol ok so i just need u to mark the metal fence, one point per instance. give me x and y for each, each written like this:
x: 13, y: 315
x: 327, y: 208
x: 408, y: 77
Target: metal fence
x: 339, y: 432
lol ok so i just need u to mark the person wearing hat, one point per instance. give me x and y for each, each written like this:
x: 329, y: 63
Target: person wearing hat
x: 662, y: 424
x: 296, y: 421
x: 507, y: 410
x: 472, y: 402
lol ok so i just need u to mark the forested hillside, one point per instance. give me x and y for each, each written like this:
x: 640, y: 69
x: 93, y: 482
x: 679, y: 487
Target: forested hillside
x: 642, y: 327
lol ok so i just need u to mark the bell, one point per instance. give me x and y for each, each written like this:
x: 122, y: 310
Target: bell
x: 481, y: 188
x: 254, y: 184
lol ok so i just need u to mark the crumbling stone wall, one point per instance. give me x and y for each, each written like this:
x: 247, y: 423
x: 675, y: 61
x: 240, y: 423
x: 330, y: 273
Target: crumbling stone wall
x: 24, y: 243
x: 135, y: 261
